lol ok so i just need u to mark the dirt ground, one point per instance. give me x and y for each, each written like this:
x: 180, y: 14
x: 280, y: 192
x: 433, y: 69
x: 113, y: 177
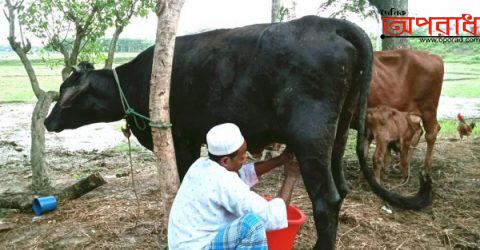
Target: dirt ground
x: 109, y: 217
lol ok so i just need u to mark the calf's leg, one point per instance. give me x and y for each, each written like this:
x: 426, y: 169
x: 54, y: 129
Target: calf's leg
x: 380, y: 152
x: 405, y: 156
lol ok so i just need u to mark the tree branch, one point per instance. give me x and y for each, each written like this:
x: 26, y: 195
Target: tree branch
x: 6, y: 16
x: 20, y: 50
x: 28, y: 47
x: 22, y: 38
x: 60, y: 47
x: 18, y: 4
x: 89, y: 20
x: 376, y: 3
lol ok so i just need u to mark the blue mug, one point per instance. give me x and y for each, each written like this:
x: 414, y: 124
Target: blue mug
x: 43, y: 205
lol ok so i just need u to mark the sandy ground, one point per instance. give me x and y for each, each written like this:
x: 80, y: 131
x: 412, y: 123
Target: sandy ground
x: 109, y: 217
x: 15, y: 132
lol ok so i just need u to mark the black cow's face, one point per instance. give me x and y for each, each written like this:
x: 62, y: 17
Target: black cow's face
x: 85, y: 98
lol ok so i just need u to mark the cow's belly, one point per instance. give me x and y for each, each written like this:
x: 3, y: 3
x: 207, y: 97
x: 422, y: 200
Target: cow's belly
x: 392, y: 94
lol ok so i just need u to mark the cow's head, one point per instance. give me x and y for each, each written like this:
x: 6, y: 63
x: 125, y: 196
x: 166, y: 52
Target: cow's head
x: 87, y: 96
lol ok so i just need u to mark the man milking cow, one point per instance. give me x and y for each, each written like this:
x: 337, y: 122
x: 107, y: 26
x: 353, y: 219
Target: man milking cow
x: 296, y: 83
x: 214, y: 207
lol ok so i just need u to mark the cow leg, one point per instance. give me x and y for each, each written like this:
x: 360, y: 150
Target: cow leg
x: 311, y: 131
x: 432, y: 128
x: 186, y: 152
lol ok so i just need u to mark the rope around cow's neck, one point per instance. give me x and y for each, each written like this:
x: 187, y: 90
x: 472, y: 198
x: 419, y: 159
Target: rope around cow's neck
x: 129, y: 111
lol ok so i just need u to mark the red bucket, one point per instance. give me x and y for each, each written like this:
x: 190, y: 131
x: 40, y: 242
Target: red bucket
x: 284, y: 239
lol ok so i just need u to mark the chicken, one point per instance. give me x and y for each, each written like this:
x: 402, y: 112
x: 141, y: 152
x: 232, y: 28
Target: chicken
x: 463, y: 128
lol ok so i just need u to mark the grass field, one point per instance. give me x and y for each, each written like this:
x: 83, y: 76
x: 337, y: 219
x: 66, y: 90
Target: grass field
x: 461, y: 79
x: 449, y: 129
x: 15, y: 84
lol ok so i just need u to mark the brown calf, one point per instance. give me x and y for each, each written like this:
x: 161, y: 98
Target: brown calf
x: 392, y: 128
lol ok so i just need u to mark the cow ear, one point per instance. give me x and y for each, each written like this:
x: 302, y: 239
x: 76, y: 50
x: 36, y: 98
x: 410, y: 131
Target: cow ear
x: 415, y: 118
x: 71, y: 93
x: 76, y: 69
x: 84, y: 66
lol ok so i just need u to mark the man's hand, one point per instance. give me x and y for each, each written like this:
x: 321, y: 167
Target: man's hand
x: 286, y: 156
x: 268, y: 165
x: 291, y: 169
x: 291, y: 172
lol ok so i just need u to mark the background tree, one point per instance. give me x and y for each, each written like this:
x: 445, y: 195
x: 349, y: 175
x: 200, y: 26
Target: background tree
x: 40, y: 180
x: 168, y: 13
x: 283, y: 10
x: 386, y: 5
x: 122, y: 12
x: 68, y: 26
x: 362, y: 7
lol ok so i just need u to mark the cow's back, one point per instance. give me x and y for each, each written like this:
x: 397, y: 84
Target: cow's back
x: 407, y: 80
x: 251, y: 75
x: 211, y: 79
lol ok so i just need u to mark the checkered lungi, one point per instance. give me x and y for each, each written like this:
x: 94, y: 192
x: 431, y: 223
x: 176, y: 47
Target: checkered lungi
x: 246, y: 233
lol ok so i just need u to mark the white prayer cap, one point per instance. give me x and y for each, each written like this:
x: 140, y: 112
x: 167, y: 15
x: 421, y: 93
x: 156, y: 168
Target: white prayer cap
x: 224, y: 139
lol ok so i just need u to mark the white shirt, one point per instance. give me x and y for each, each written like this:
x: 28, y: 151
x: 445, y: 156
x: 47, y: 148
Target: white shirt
x: 210, y: 197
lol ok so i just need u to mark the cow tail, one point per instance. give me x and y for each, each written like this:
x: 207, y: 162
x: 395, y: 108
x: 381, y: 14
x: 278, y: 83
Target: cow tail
x: 362, y: 43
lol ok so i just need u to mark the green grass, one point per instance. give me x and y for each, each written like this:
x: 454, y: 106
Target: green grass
x: 465, y: 90
x: 449, y: 128
x: 123, y: 148
x: 461, y: 79
x: 15, y: 84
x: 3, y: 213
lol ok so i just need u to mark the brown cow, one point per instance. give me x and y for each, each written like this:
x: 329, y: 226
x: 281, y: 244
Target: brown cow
x: 389, y: 126
x: 409, y: 81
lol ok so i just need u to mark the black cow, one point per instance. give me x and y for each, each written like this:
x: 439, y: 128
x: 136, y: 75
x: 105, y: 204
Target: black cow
x: 295, y: 83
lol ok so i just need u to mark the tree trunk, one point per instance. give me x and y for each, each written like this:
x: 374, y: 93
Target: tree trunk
x: 111, y: 49
x: 70, y: 59
x: 81, y: 187
x: 276, y: 6
x: 66, y: 72
x: 40, y: 179
x: 283, y: 10
x: 168, y: 13
x: 387, y: 5
x: 28, y: 67
x: 21, y: 201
